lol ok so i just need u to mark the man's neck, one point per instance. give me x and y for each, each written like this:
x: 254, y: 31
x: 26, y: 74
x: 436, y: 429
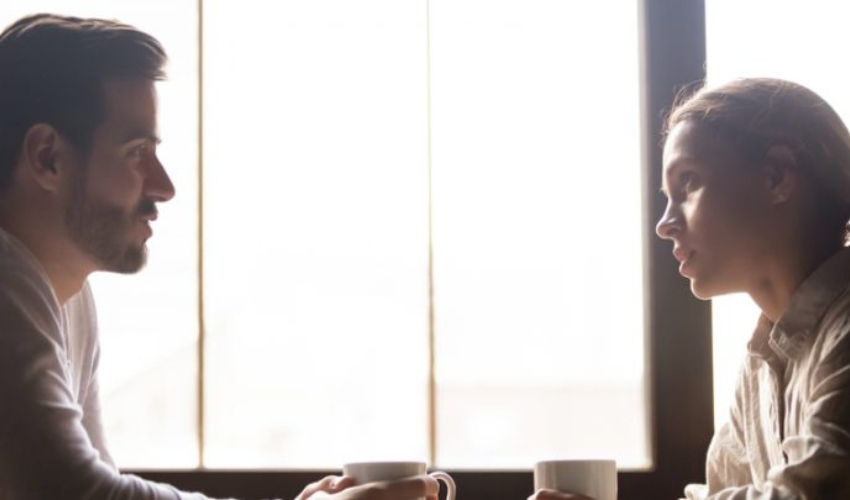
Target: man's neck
x: 62, y: 261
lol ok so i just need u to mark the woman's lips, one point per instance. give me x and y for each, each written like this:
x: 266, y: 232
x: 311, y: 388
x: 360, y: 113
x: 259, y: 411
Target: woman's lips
x: 684, y: 257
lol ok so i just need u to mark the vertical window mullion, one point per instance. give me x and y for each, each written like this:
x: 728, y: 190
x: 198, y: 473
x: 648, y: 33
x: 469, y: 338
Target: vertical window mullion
x: 201, y: 329
x: 432, y: 381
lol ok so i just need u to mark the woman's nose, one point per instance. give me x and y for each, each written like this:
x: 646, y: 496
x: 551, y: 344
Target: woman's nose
x: 669, y: 223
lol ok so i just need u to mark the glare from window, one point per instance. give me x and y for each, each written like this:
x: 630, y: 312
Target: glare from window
x: 537, y: 233
x: 316, y: 232
x: 341, y: 140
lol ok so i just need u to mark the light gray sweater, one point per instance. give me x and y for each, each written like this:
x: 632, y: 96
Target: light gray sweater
x: 51, y: 438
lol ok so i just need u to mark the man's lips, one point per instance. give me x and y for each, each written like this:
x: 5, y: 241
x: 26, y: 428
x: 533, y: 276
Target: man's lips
x: 145, y: 220
x: 149, y: 217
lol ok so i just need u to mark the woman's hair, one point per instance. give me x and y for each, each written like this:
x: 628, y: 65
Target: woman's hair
x: 52, y: 70
x: 758, y: 113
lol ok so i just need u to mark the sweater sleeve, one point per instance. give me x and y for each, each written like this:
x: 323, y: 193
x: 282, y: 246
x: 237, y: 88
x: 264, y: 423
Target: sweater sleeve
x: 45, y: 449
x: 84, y: 316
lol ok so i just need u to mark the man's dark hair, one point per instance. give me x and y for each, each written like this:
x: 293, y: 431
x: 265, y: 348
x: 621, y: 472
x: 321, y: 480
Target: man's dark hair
x: 53, y: 69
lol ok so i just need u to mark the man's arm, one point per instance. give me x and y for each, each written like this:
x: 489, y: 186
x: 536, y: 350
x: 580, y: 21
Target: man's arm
x: 45, y: 450
x: 92, y: 417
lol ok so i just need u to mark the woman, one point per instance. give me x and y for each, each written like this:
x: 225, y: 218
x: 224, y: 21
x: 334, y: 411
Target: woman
x: 757, y: 175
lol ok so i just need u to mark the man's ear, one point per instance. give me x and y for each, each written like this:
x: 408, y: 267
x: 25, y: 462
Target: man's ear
x: 43, y: 155
x: 781, y: 173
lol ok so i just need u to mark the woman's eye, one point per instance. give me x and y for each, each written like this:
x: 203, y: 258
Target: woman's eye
x: 688, y: 182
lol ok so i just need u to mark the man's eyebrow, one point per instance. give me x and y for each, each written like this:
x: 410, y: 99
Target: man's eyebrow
x: 135, y: 135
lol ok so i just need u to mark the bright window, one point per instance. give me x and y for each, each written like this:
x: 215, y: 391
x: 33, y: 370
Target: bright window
x: 385, y: 184
x: 316, y: 230
x: 537, y: 232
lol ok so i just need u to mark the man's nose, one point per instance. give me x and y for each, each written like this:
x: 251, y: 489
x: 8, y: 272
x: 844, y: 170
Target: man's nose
x: 158, y: 185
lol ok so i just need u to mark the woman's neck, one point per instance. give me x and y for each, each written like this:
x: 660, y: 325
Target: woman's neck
x: 785, y: 274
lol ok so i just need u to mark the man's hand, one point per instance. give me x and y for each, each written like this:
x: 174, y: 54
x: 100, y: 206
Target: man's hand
x: 328, y: 484
x: 340, y: 488
x: 556, y: 495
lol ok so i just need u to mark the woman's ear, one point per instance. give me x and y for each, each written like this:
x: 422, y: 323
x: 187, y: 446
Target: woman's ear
x: 781, y: 173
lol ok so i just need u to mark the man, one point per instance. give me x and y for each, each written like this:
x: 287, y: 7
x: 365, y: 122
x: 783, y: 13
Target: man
x: 79, y: 186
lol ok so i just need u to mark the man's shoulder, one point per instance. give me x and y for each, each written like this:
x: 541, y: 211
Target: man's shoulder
x: 25, y: 295
x: 16, y: 260
x: 20, y: 278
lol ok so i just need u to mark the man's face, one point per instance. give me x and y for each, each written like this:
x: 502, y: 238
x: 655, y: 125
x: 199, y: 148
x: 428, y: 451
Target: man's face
x: 717, y: 212
x: 116, y: 187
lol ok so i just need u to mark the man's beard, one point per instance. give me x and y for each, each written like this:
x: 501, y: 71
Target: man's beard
x: 99, y: 229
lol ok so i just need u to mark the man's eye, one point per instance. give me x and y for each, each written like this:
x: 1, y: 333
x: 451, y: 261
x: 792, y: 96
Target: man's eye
x: 138, y: 151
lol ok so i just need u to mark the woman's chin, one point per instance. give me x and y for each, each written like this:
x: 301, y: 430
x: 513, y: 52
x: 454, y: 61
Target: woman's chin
x: 707, y: 290
x: 702, y: 295
x: 702, y: 290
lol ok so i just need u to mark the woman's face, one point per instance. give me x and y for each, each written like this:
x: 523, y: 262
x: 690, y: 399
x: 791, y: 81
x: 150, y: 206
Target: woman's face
x: 717, y: 214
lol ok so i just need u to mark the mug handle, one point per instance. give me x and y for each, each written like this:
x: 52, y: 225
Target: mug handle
x: 450, y: 483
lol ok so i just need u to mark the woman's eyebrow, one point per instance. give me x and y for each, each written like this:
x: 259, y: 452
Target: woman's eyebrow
x: 676, y: 164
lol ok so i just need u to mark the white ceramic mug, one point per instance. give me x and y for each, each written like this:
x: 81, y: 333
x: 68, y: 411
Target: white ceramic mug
x: 367, y: 472
x: 594, y: 478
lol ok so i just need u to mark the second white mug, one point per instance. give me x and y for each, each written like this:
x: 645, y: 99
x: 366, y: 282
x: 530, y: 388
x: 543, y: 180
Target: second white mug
x: 594, y: 478
x: 368, y: 472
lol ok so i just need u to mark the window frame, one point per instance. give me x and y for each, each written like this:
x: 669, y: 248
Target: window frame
x: 672, y: 53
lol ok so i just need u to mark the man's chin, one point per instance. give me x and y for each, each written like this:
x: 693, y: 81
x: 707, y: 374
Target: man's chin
x: 130, y: 262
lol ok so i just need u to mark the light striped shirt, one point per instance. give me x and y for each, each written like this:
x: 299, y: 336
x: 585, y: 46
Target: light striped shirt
x: 788, y: 433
